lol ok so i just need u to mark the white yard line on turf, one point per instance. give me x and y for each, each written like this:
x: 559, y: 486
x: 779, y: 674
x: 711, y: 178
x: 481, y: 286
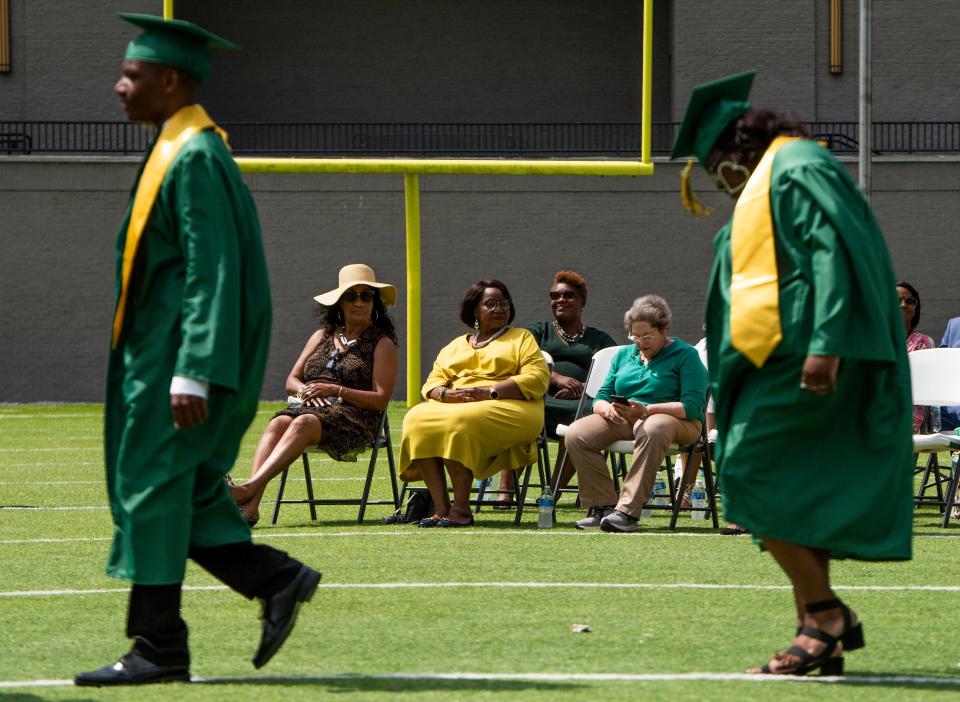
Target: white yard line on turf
x: 263, y: 534
x: 514, y: 585
x: 905, y: 680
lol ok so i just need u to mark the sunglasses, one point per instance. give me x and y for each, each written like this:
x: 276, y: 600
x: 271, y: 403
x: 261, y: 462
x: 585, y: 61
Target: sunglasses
x: 562, y: 294
x: 352, y: 295
x: 493, y: 305
x: 909, y: 300
x: 335, y: 356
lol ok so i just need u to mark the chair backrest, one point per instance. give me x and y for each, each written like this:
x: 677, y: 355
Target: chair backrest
x: 547, y: 358
x: 935, y: 376
x: 599, y: 368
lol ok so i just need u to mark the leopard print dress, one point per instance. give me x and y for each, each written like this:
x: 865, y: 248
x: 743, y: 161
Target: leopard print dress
x: 348, y: 430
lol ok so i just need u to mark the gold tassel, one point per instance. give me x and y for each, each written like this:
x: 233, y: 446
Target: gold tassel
x: 688, y: 197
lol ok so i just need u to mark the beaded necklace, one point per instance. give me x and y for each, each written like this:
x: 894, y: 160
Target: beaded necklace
x: 479, y: 345
x: 568, y: 339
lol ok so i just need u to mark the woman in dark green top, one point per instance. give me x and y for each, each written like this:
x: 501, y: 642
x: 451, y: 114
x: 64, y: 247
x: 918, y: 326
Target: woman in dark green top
x: 572, y: 345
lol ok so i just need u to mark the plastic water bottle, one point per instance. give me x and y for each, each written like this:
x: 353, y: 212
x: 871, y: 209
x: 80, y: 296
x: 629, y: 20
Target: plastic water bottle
x: 645, y: 512
x: 545, y: 509
x: 488, y: 494
x: 660, y: 495
x: 935, y: 425
x: 698, y: 500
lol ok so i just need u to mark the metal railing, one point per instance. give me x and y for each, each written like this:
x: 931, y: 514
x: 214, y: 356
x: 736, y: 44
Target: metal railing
x: 612, y: 140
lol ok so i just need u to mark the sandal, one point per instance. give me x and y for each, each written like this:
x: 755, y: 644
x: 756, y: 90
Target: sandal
x: 501, y: 504
x: 851, y: 637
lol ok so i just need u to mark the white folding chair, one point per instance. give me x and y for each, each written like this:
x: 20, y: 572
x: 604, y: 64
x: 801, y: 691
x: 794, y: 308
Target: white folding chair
x: 935, y: 380
x: 599, y: 368
x: 597, y: 373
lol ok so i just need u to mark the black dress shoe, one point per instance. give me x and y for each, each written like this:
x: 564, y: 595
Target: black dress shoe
x: 280, y: 613
x: 132, y: 669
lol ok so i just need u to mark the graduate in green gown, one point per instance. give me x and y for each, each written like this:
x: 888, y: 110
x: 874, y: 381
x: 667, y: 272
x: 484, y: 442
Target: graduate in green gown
x: 189, y: 346
x: 807, y: 362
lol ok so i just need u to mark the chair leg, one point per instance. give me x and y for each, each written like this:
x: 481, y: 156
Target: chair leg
x: 711, y: 487
x: 393, y: 469
x: 520, y: 491
x: 309, y: 479
x: 951, y: 494
x: 279, y: 500
x: 371, y: 467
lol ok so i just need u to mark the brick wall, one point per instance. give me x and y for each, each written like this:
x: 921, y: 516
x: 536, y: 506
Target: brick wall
x: 626, y: 236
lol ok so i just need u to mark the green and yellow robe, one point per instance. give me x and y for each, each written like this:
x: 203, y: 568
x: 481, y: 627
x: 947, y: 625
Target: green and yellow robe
x: 831, y: 472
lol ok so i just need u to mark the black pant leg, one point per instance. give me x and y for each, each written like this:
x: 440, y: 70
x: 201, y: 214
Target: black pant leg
x: 155, y: 624
x: 253, y: 570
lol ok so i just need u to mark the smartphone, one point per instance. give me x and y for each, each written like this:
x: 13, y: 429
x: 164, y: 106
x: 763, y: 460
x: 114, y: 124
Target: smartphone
x: 619, y: 399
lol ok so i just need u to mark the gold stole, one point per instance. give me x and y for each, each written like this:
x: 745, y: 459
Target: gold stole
x: 178, y: 130
x: 755, y: 327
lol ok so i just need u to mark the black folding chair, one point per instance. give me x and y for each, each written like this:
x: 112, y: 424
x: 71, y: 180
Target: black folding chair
x: 382, y: 440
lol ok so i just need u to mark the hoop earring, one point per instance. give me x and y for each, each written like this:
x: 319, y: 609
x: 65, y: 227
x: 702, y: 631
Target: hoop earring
x: 476, y: 324
x: 376, y: 316
x: 339, y: 316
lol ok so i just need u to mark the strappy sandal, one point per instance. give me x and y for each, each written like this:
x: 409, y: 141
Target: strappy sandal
x: 501, y: 504
x: 851, y: 637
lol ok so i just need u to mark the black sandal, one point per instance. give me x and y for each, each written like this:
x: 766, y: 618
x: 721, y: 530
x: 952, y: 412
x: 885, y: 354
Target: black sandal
x: 851, y: 637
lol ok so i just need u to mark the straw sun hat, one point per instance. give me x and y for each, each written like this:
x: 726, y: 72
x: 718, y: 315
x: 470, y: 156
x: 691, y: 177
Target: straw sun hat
x: 358, y: 274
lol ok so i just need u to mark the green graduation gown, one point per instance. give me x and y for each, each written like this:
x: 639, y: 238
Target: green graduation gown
x: 199, y: 306
x: 828, y: 472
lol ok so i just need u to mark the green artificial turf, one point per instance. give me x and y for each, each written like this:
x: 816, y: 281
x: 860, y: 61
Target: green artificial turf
x: 514, y: 594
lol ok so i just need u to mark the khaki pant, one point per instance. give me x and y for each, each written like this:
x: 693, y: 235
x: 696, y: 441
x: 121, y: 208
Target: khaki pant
x: 590, y: 435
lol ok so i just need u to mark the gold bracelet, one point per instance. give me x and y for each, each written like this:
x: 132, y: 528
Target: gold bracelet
x: 340, y: 392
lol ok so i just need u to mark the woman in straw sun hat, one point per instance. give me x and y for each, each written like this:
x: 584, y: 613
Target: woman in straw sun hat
x: 341, y: 382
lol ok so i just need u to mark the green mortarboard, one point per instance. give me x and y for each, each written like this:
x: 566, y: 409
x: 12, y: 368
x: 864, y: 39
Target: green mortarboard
x: 711, y: 108
x: 173, y: 42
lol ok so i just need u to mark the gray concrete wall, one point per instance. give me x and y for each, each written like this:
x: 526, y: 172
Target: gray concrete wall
x: 356, y: 60
x: 495, y: 61
x: 627, y: 236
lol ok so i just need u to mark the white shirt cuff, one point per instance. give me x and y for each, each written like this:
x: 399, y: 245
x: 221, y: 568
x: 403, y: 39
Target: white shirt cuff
x: 188, y: 386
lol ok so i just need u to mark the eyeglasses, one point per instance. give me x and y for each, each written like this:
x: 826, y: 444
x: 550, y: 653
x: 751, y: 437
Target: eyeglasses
x: 909, y: 300
x: 365, y: 296
x: 646, y: 338
x: 564, y: 294
x: 493, y: 305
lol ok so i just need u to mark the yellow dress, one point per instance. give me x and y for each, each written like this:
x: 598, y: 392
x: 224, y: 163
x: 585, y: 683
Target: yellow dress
x: 486, y: 436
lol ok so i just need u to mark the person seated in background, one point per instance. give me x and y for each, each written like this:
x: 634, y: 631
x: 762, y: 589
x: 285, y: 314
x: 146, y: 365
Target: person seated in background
x: 950, y: 416
x: 654, y: 394
x: 910, y: 309
x: 342, y: 380
x: 484, y: 408
x: 572, y: 345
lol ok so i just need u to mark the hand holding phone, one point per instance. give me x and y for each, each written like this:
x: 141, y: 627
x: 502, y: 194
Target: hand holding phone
x: 619, y: 400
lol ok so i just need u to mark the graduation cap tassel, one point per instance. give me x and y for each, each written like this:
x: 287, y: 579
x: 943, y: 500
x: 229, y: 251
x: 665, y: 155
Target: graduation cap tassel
x: 687, y: 196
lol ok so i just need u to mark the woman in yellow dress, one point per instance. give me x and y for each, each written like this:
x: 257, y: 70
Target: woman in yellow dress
x: 483, y: 409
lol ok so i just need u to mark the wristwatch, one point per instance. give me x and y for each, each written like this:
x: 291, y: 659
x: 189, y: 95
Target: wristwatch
x: 494, y: 395
x: 441, y: 392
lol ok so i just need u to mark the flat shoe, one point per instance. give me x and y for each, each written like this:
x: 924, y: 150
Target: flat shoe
x: 280, y: 613
x: 450, y: 524
x: 132, y: 669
